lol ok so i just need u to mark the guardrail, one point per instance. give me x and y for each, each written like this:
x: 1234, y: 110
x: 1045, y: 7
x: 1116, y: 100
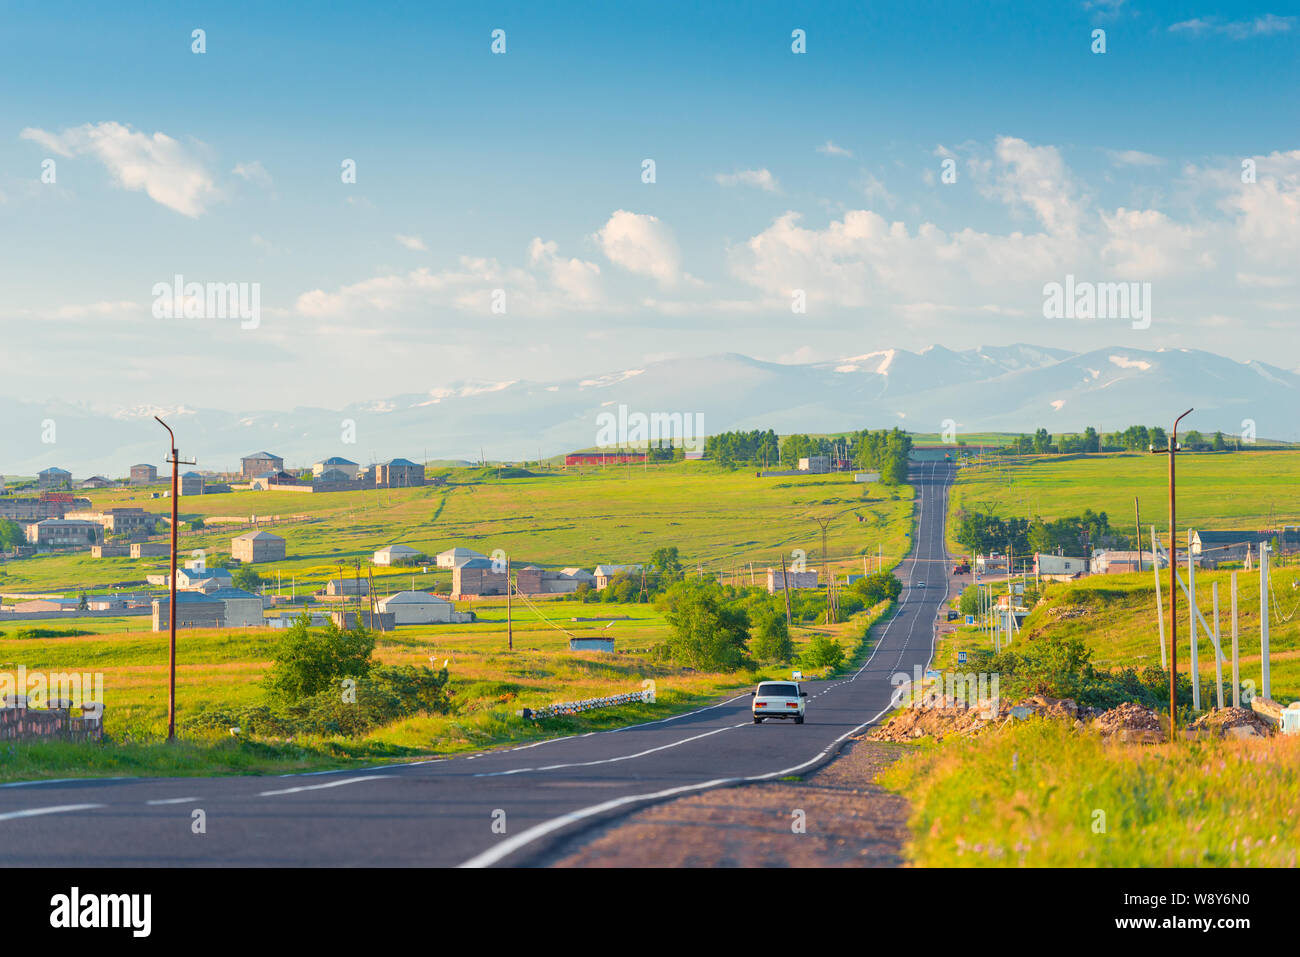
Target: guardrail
x: 644, y: 696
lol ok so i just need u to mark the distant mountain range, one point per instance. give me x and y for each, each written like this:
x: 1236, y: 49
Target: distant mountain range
x: 1014, y: 388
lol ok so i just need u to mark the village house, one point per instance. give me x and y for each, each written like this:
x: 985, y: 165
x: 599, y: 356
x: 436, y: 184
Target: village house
x: 456, y: 556
x: 222, y: 608
x: 259, y: 463
x: 64, y: 533
x: 399, y: 473
x: 191, y: 483
x: 478, y: 576
x: 1114, y: 561
x: 95, y: 481
x: 258, y: 546
x: 337, y: 587
x: 991, y: 564
x: 54, y: 478
x: 144, y: 474
x: 336, y: 463
x: 395, y: 554
x: 121, y: 521
x: 422, y: 608
x: 604, y: 574
x: 1059, y: 567
x: 775, y: 583
x: 1228, y: 546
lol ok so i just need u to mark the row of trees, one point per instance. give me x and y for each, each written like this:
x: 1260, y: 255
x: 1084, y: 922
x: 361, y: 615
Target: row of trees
x: 885, y: 451
x: 983, y: 532
x: 1136, y: 438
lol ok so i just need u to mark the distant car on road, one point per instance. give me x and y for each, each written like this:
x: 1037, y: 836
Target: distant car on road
x: 918, y: 584
x: 778, y: 699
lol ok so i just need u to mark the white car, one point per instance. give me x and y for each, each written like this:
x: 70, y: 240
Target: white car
x: 778, y: 699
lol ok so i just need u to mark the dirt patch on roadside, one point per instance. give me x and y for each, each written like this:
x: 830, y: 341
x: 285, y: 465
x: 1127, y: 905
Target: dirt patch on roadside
x: 848, y: 821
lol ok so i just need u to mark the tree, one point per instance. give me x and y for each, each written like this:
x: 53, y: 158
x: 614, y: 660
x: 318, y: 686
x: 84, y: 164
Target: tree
x: 772, y: 641
x: 11, y: 534
x: 705, y: 633
x: 308, y: 661
x: 822, y: 652
x: 246, y: 577
x: 667, y: 565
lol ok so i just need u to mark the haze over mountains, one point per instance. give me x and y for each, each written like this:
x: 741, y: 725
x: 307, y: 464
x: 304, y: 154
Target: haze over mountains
x: 1015, y: 388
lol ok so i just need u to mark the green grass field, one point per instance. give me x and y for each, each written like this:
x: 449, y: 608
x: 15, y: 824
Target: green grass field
x: 720, y: 521
x: 1223, y: 490
x: 1115, y: 615
x: 1041, y: 795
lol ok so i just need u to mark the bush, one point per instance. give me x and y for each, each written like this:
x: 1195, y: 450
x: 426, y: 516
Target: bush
x: 772, y: 641
x: 307, y: 661
x: 822, y: 652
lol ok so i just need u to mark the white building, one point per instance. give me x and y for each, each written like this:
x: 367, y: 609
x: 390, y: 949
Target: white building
x: 1059, y: 566
x: 816, y: 464
x: 795, y: 580
x: 421, y: 608
x: 455, y: 557
x: 393, y: 554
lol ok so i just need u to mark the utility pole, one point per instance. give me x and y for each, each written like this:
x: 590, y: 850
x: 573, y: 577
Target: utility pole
x: 1263, y: 619
x: 1172, y: 450
x: 510, y: 625
x: 1236, y: 675
x: 175, y: 459
x: 1160, y: 611
x: 785, y: 591
x: 1137, y: 527
x: 1191, y: 621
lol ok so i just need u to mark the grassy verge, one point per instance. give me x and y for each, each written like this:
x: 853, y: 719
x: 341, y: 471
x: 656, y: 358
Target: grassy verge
x: 1041, y: 795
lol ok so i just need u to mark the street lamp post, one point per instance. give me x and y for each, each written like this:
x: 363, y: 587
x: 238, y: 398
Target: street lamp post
x: 1172, y: 450
x: 175, y: 460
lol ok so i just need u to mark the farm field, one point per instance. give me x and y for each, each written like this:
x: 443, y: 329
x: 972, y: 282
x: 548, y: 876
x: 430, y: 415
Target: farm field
x: 719, y: 520
x: 222, y: 668
x: 1216, y: 490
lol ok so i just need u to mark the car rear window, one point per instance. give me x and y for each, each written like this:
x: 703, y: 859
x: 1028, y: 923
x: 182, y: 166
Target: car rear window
x: 778, y: 691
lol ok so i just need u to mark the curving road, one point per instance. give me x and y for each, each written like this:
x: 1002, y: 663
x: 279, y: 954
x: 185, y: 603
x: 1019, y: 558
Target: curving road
x: 497, y: 807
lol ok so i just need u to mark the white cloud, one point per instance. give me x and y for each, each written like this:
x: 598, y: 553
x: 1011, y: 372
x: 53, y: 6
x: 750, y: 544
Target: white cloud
x: 1145, y: 244
x: 1036, y: 177
x: 254, y: 172
x: 550, y: 285
x: 414, y: 243
x: 1265, y: 25
x: 641, y: 244
x: 758, y: 178
x: 830, y: 149
x: 1134, y: 158
x: 166, y: 171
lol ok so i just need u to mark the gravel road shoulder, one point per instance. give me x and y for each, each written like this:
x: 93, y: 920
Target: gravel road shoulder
x: 849, y: 821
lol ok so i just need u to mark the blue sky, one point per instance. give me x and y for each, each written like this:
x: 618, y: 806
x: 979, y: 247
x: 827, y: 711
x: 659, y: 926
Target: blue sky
x: 775, y: 171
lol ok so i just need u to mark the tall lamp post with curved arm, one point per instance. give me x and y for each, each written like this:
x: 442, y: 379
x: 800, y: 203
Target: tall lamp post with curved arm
x: 1172, y: 450
x: 175, y: 460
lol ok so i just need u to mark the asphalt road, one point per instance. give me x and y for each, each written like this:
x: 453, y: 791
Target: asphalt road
x: 502, y: 807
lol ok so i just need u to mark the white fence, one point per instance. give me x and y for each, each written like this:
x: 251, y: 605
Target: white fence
x: 644, y: 696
